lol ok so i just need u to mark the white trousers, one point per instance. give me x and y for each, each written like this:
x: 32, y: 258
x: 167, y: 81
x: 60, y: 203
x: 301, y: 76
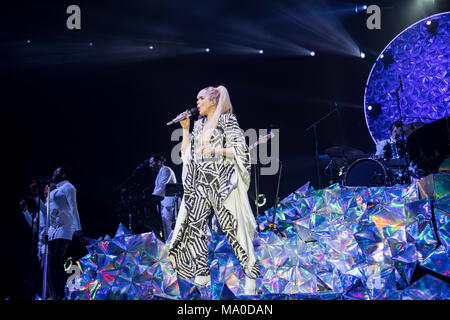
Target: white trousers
x: 167, y: 220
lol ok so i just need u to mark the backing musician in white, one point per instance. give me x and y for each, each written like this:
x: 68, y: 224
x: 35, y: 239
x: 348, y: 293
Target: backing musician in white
x: 165, y: 176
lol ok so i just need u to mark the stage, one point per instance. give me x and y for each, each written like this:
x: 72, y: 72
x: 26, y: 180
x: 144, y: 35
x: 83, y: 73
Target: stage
x: 345, y: 148
x: 335, y: 243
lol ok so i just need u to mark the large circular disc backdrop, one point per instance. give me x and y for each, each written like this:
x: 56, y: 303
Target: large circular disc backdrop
x: 420, y: 57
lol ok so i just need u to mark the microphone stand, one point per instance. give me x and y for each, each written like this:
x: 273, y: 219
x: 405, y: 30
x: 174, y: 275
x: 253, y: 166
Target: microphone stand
x: 31, y: 269
x: 272, y: 226
x: 126, y: 181
x: 44, y: 282
x: 122, y: 186
x: 402, y: 135
x: 35, y: 227
x: 256, y: 195
x: 34, y: 248
x: 316, y: 142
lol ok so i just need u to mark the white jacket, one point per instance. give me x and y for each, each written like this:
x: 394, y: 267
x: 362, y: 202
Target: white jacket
x: 64, y: 219
x: 165, y: 176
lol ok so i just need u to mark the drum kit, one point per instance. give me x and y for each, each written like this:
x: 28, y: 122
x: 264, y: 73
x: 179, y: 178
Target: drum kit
x: 420, y: 154
x: 352, y: 167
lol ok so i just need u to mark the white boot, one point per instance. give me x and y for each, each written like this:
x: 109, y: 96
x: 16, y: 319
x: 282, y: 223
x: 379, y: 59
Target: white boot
x: 250, y: 286
x: 203, y: 280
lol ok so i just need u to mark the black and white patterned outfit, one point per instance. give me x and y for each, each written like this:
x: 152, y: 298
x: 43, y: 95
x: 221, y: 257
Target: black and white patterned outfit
x: 219, y: 183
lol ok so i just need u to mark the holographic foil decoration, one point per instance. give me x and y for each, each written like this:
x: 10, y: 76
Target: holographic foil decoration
x: 442, y: 217
x: 334, y: 243
x: 426, y: 288
x: 434, y: 186
x: 422, y: 60
x: 439, y: 260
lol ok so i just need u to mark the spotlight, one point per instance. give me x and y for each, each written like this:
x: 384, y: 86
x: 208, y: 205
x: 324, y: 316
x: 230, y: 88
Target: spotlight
x: 387, y: 59
x: 362, y: 55
x: 28, y: 41
x: 91, y: 44
x: 150, y: 47
x: 312, y: 53
x: 374, y: 110
x: 431, y: 26
x: 207, y: 50
x: 261, y: 51
x: 360, y: 8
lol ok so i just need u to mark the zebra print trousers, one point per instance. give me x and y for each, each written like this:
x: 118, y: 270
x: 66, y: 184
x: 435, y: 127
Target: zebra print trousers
x: 190, y: 249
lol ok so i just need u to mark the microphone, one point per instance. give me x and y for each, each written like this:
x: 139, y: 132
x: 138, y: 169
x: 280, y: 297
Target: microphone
x: 191, y: 112
x: 142, y: 165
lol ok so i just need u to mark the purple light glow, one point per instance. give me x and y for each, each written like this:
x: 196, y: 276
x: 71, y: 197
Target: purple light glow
x: 422, y: 61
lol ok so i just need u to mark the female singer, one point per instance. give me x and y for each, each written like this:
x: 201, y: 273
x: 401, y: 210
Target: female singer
x: 216, y: 174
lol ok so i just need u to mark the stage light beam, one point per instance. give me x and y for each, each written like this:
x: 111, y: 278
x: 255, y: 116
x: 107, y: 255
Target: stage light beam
x: 360, y: 8
x: 326, y: 35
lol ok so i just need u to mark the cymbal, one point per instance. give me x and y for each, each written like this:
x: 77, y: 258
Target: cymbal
x: 409, y: 128
x: 345, y: 152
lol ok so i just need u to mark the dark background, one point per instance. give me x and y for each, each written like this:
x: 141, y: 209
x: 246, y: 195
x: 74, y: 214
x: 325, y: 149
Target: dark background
x: 104, y: 111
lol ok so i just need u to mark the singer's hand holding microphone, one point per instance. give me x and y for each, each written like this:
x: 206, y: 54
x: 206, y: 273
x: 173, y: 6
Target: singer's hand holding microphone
x: 183, y: 116
x: 185, y: 123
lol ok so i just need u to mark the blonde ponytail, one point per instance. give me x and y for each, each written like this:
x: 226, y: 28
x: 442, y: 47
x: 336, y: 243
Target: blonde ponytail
x: 223, y: 106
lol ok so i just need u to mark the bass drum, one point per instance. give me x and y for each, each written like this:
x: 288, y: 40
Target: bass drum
x: 366, y: 172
